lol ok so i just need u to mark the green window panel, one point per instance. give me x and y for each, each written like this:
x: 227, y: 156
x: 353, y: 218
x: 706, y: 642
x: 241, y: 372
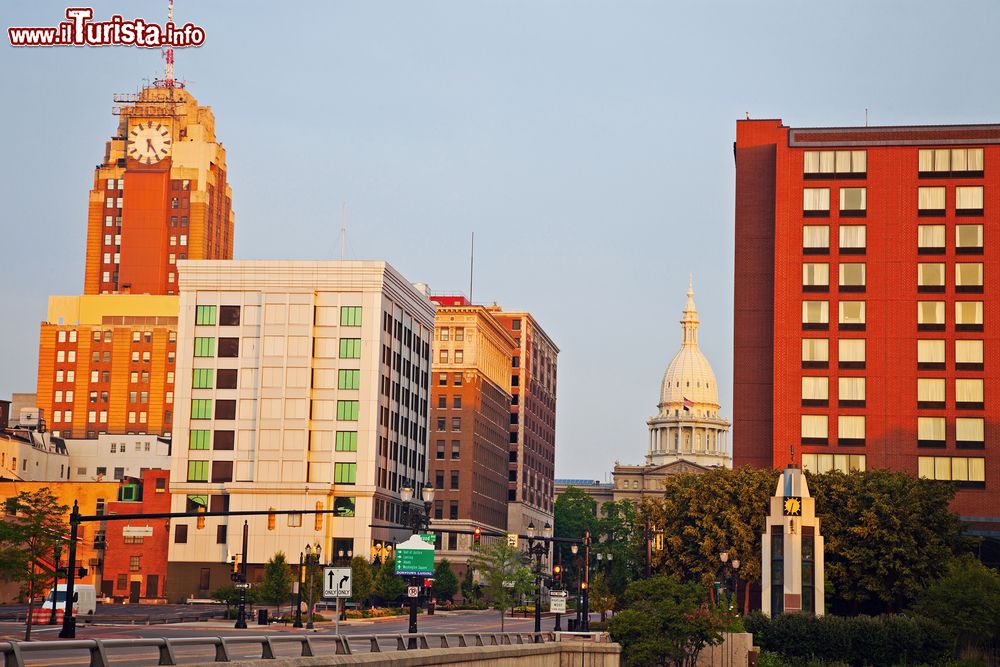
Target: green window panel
x: 348, y: 379
x: 350, y: 316
x: 204, y: 347
x: 201, y: 408
x: 202, y: 378
x: 350, y: 348
x: 347, y: 441
x: 345, y: 473
x: 204, y: 315
x: 197, y: 471
x: 347, y: 411
x: 200, y: 439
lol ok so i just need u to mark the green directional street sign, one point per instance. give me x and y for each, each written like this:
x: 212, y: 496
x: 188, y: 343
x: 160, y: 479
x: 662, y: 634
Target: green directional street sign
x: 429, y: 538
x: 415, y: 557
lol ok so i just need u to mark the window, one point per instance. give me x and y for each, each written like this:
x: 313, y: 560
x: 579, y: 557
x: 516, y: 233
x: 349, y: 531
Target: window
x: 816, y: 202
x: 456, y: 424
x: 220, y: 534
x: 347, y: 441
x: 850, y: 430
x: 224, y: 440
x: 950, y: 162
x: 225, y: 409
x: 199, y: 439
x: 347, y: 410
x: 851, y: 392
x: 853, y: 202
x: 350, y: 348
x: 350, y: 316
x: 204, y: 315
x: 968, y: 471
x: 930, y: 201
x: 815, y: 352
x: 852, y: 277
x: 180, y: 534
x: 930, y: 393
x: 815, y: 391
x: 459, y: 333
x: 348, y: 379
x: 443, y: 356
x: 930, y: 431
x: 229, y: 347
x: 225, y: 378
x: 204, y: 347
x: 970, y: 433
x: 815, y: 314
x: 456, y: 449
x: 453, y: 509
x: 815, y: 240
x: 969, y: 239
x: 197, y: 471
x: 345, y: 473
x: 930, y: 277
x: 201, y: 408
x: 852, y: 315
x: 853, y: 239
x: 456, y: 379
x: 815, y: 277
x: 820, y: 463
x: 201, y: 378
x: 969, y: 277
x: 222, y: 471
x: 454, y: 480
x: 930, y: 239
x: 459, y: 356
x: 834, y: 164
x: 814, y: 429
x: 968, y: 394
x: 930, y: 355
x: 456, y: 402
x: 969, y: 315
x: 969, y: 200
x: 969, y: 355
x: 930, y: 315
x: 439, y: 450
x: 229, y: 316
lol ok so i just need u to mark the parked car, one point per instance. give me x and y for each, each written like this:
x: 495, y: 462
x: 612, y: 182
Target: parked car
x: 84, y: 599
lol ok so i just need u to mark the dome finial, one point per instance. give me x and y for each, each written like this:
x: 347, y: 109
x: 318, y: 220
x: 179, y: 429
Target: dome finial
x: 689, y: 320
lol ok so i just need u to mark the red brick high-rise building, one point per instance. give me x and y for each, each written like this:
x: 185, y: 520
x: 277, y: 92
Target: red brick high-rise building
x: 867, y: 303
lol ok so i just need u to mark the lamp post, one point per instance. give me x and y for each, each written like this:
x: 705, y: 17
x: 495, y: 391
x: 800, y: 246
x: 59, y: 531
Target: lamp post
x: 724, y: 557
x: 312, y: 552
x: 579, y: 584
x: 415, y: 519
x: 586, y: 581
x: 299, y: 580
x: 538, y: 551
x: 736, y: 581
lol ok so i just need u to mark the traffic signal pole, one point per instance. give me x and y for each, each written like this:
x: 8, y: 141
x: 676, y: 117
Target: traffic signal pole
x: 69, y: 621
x: 241, y: 615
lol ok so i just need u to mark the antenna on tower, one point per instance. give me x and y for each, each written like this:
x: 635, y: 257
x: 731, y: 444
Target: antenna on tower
x: 866, y: 116
x: 472, y: 263
x: 343, y: 229
x: 168, y: 80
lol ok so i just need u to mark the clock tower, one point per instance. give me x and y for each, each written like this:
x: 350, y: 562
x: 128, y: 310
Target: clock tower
x: 160, y: 195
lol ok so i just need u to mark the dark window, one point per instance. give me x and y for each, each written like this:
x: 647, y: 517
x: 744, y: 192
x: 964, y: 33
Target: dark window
x: 229, y: 316
x: 454, y: 479
x: 218, y: 503
x: 222, y: 471
x: 439, y: 453
x: 225, y: 378
x: 220, y: 534
x: 229, y: 347
x: 224, y: 440
x: 180, y: 534
x: 205, y: 580
x: 438, y: 509
x: 225, y: 409
x: 439, y: 479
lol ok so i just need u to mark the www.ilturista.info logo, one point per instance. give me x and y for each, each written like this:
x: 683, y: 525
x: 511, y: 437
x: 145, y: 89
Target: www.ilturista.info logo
x: 79, y: 30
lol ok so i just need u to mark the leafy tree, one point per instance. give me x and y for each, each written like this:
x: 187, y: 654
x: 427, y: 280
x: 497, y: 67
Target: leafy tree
x: 497, y: 565
x: 966, y: 600
x: 886, y: 535
x: 362, y: 582
x: 276, y: 589
x: 228, y: 595
x: 472, y: 591
x: 662, y: 620
x: 30, y: 535
x: 445, y: 581
x: 620, y: 532
x: 574, y: 513
x: 601, y: 599
x: 388, y: 585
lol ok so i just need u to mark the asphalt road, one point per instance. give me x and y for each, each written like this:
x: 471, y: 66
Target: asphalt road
x: 452, y: 622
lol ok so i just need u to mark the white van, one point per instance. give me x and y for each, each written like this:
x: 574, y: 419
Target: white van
x: 84, y: 599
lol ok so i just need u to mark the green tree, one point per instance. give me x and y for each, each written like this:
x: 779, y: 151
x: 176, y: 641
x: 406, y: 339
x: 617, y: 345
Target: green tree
x: 503, y: 573
x: 619, y: 532
x: 472, y: 591
x: 886, y: 535
x: 29, y: 535
x: 388, y: 585
x: 276, y: 589
x: 601, y: 598
x: 966, y: 600
x: 445, y: 581
x: 663, y: 621
x: 574, y: 513
x: 362, y: 582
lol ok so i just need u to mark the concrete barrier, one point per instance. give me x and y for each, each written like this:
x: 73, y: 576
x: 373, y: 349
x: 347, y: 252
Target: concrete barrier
x: 732, y: 652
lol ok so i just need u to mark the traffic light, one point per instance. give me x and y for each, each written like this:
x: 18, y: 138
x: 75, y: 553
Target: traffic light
x: 200, y: 521
x: 557, y: 573
x: 81, y: 572
x: 583, y: 586
x: 477, y: 536
x: 271, y: 519
x: 318, y: 519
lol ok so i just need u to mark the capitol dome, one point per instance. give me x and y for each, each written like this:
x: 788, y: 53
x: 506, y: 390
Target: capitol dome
x: 689, y: 375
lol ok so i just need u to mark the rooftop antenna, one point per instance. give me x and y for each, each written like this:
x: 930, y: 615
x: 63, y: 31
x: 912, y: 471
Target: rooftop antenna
x: 472, y: 263
x: 866, y: 116
x: 343, y: 229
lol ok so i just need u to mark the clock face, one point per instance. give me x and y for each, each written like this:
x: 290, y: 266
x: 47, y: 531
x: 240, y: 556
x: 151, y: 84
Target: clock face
x: 792, y: 506
x: 149, y: 142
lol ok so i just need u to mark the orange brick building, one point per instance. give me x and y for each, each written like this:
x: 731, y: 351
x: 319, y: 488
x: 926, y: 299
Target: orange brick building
x: 867, y: 314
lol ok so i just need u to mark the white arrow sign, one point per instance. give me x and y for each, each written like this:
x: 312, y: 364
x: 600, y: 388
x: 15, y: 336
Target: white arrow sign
x: 336, y: 582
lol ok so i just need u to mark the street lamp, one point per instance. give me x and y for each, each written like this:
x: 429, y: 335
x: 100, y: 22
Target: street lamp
x: 538, y: 551
x: 300, y: 580
x: 344, y: 560
x: 312, y: 552
x: 415, y: 519
x: 736, y: 581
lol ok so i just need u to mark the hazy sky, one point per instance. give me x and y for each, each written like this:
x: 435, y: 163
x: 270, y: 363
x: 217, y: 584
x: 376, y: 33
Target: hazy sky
x: 587, y: 143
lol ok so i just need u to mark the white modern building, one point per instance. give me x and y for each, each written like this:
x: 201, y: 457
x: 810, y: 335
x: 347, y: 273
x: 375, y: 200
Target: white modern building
x: 300, y: 385
x: 115, y: 457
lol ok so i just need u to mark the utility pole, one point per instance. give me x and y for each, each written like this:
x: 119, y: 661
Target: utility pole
x: 241, y: 615
x: 69, y: 621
